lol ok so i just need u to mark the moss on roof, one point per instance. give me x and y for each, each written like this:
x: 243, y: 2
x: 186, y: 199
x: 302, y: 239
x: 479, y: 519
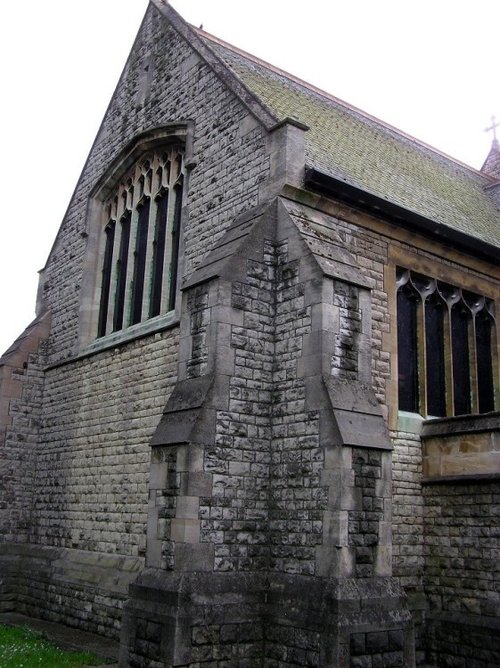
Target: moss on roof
x: 348, y: 145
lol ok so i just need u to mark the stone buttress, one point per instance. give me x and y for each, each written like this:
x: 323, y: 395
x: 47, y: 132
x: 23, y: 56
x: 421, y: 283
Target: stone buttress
x: 269, y: 533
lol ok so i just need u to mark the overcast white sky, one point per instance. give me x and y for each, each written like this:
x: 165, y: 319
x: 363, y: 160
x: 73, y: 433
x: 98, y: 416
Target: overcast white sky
x: 428, y: 67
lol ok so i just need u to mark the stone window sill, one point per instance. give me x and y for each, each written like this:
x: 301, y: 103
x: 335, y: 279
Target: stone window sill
x: 145, y: 328
x: 410, y: 423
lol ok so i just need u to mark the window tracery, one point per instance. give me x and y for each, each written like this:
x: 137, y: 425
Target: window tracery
x: 446, y: 359
x: 141, y: 241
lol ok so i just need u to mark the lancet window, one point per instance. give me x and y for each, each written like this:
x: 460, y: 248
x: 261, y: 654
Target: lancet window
x: 141, y: 242
x: 446, y: 344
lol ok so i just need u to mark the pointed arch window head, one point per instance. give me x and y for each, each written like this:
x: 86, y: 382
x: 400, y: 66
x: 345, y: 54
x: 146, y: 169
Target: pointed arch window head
x: 446, y: 353
x: 141, y: 241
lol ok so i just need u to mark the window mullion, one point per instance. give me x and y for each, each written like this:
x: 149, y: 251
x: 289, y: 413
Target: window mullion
x: 473, y: 366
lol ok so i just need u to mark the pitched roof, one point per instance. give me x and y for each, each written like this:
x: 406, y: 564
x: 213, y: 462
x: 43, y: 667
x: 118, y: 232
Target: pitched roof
x: 349, y: 145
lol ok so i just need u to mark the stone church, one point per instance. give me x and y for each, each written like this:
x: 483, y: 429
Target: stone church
x: 255, y: 421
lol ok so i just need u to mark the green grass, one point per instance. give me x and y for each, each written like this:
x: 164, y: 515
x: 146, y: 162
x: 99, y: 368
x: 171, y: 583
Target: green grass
x: 23, y: 648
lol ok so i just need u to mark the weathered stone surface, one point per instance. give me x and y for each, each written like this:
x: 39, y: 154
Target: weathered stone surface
x: 291, y: 501
x: 238, y: 448
x: 462, y: 447
x: 292, y: 617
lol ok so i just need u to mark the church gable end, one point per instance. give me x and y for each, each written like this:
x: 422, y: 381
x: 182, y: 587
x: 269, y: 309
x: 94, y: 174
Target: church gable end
x: 256, y: 419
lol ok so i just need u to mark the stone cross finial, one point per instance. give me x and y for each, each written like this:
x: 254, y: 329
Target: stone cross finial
x: 493, y: 127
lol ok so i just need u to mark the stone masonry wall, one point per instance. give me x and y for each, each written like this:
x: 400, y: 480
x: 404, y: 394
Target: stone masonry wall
x: 91, y: 486
x: 228, y: 147
x: 461, y: 547
x: 297, y: 497
x: 408, y: 508
x: 262, y: 491
x: 364, y: 522
x: 408, y: 525
x: 21, y: 390
x: 199, y: 314
x: 372, y: 253
x: 235, y: 517
x: 345, y: 356
x: 90, y: 491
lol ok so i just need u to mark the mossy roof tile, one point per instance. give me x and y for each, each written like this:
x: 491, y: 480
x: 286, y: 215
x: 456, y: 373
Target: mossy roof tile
x: 351, y: 146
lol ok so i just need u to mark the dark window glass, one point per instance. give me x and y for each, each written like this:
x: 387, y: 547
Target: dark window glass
x: 121, y: 272
x: 435, y: 366
x: 484, y: 363
x: 460, y: 354
x: 140, y: 262
x: 159, y: 253
x: 407, y: 351
x: 458, y: 372
x: 107, y: 268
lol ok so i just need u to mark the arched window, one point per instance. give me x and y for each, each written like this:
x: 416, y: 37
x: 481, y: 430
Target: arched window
x: 445, y: 348
x: 141, y: 241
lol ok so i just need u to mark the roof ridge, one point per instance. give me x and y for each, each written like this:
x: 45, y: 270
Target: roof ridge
x: 338, y: 100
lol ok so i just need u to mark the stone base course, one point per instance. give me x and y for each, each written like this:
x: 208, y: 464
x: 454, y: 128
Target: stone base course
x: 86, y: 590
x: 240, y: 619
